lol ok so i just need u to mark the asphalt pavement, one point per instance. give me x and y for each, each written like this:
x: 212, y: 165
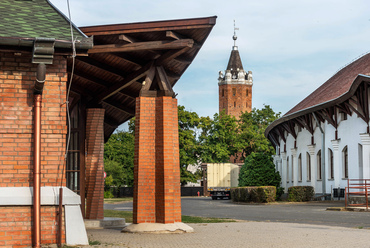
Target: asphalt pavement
x: 300, y: 213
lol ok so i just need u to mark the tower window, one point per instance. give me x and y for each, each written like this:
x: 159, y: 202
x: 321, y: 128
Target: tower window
x: 247, y: 92
x: 246, y: 105
x: 223, y: 92
x: 234, y: 104
x: 234, y: 91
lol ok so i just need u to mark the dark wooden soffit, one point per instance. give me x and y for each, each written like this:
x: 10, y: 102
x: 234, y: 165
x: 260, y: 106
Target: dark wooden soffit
x: 354, y: 101
x: 125, y: 57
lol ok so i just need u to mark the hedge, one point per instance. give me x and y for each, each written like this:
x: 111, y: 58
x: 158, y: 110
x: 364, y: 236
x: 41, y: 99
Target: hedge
x: 257, y: 194
x: 300, y: 193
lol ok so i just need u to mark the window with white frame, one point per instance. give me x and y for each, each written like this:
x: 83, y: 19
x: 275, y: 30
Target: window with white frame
x: 292, y: 168
x: 308, y: 162
x: 319, y: 165
x: 331, y: 164
x: 300, y: 168
x: 287, y: 170
x: 345, y: 162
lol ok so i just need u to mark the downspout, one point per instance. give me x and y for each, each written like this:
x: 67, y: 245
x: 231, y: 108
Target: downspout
x: 37, y: 91
x: 322, y: 155
x: 43, y: 53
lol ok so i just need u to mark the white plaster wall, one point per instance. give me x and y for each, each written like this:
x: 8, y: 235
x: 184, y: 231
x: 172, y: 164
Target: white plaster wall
x: 349, y: 134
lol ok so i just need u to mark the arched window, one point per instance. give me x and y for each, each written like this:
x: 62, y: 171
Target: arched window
x: 308, y: 161
x: 300, y: 168
x: 345, y: 161
x: 292, y: 162
x: 319, y: 165
x: 287, y: 170
x: 331, y: 164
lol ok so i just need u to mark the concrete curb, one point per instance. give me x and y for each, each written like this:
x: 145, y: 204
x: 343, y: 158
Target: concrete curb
x: 177, y: 227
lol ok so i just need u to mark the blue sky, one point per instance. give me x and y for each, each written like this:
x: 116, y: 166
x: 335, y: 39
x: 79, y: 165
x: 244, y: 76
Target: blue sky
x: 291, y: 46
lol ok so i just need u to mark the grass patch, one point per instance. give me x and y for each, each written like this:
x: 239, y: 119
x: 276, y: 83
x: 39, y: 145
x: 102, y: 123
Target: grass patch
x: 119, y: 214
x: 118, y: 200
x: 186, y: 219
x: 94, y: 243
x: 195, y: 219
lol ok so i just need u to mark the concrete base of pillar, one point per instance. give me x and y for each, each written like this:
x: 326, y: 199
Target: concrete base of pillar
x: 177, y: 227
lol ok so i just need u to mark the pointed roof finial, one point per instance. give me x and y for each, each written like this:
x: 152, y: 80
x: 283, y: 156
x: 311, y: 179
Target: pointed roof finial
x: 235, y: 37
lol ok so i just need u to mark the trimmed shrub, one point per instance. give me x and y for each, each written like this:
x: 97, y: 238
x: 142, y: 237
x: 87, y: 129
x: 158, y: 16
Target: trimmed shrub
x: 258, y: 194
x: 300, y: 193
x: 259, y: 170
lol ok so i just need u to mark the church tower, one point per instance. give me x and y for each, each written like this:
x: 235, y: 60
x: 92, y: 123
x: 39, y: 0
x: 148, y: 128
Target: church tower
x: 235, y: 85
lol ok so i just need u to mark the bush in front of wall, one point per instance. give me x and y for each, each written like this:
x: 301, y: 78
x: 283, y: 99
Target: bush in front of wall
x: 300, y: 193
x: 256, y: 194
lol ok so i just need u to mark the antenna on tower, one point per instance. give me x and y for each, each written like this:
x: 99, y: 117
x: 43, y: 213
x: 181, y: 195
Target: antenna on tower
x: 235, y: 37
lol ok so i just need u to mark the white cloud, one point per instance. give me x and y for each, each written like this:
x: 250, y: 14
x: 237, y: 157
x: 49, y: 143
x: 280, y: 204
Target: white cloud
x: 291, y: 46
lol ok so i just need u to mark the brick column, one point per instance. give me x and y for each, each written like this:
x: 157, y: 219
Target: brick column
x: 95, y: 163
x: 157, y: 196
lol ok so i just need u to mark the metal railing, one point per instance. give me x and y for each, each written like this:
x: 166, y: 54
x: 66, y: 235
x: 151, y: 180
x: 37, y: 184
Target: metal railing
x: 359, y: 188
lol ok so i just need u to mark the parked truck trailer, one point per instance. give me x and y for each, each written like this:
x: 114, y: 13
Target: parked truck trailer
x: 220, y: 178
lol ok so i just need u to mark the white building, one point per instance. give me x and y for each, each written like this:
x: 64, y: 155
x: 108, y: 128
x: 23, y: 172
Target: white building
x: 324, y: 140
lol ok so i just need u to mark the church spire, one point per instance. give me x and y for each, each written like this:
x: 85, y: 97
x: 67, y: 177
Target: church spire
x: 235, y: 37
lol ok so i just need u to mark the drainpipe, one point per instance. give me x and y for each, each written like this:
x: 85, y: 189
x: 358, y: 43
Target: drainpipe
x: 39, y: 85
x: 322, y: 155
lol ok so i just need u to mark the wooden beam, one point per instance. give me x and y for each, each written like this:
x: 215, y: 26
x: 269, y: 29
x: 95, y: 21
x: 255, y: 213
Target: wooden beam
x: 127, y: 58
x: 120, y: 107
x: 133, y: 77
x: 174, y: 35
x: 101, y: 83
x: 170, y: 55
x: 183, y: 61
x: 101, y: 66
x: 141, y: 46
x: 148, y: 80
x: 164, y: 83
x: 110, y: 122
x: 127, y: 38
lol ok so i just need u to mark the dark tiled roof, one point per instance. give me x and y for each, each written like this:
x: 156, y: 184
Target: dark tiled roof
x: 336, y: 86
x: 34, y: 18
x: 234, y: 62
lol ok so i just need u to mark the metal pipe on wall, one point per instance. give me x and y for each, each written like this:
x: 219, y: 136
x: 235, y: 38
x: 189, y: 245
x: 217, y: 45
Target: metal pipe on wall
x: 39, y: 85
x: 36, y: 171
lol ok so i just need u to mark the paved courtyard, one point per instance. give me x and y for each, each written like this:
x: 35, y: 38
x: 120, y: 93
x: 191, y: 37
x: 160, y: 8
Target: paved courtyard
x: 277, y: 229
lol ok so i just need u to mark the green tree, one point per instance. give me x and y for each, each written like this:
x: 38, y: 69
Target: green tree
x: 119, y: 158
x: 218, y: 138
x: 251, y: 131
x: 259, y: 170
x: 188, y: 144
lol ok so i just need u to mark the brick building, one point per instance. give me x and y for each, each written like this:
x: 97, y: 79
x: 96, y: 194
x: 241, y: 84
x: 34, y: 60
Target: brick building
x: 57, y: 93
x: 235, y: 86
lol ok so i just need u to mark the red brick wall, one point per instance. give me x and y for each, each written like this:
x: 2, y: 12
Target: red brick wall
x: 95, y: 163
x: 17, y: 77
x: 235, y: 105
x: 16, y: 226
x: 157, y: 168
x: 144, y: 161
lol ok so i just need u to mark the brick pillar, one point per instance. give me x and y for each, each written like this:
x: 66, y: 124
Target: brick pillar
x: 95, y: 163
x: 157, y: 197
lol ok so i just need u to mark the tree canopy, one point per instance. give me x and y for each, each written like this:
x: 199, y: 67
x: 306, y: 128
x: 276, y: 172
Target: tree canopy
x: 201, y: 140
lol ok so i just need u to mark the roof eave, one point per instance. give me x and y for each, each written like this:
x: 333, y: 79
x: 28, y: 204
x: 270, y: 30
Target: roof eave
x: 84, y: 44
x: 358, y: 80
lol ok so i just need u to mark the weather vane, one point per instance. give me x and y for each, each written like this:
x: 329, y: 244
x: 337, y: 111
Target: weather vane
x: 235, y: 37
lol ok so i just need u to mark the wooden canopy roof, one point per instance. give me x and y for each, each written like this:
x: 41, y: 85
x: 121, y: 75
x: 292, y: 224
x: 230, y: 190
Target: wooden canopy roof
x: 126, y: 55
